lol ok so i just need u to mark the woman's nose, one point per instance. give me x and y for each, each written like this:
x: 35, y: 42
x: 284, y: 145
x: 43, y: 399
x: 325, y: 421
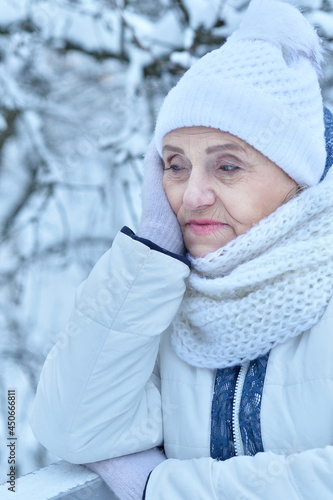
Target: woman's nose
x: 199, y: 193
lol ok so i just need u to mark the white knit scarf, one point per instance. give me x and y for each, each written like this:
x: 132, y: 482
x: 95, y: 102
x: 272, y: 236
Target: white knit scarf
x: 264, y: 287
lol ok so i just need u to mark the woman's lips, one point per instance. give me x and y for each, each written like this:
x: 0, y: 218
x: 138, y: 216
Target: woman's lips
x: 203, y: 227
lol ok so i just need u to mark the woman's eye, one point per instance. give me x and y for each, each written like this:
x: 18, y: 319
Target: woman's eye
x: 174, y: 168
x: 228, y: 168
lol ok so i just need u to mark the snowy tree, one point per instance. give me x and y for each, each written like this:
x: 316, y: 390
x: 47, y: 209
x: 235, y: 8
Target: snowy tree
x: 80, y: 83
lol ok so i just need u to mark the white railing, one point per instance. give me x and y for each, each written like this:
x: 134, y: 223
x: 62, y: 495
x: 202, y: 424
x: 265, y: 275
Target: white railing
x: 59, y: 481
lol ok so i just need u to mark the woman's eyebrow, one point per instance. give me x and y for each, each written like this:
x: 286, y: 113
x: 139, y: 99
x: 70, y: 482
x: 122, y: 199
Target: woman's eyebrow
x: 172, y: 148
x: 210, y: 149
x: 223, y: 147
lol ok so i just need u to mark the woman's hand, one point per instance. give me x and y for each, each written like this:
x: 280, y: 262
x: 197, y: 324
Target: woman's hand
x: 127, y: 475
x: 158, y: 221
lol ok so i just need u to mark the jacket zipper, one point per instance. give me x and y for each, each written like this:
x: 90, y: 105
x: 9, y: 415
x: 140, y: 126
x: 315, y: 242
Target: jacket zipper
x: 238, y: 443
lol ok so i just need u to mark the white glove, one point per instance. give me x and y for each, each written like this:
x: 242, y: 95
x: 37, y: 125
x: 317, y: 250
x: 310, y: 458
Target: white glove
x: 127, y: 475
x: 158, y: 221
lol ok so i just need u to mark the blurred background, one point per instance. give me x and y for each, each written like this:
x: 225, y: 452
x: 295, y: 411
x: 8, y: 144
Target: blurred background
x: 80, y: 84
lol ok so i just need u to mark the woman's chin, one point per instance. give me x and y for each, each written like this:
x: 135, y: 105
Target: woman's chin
x: 203, y: 245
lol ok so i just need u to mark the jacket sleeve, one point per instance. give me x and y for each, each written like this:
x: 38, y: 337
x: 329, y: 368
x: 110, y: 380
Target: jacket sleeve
x: 97, y: 397
x: 265, y: 476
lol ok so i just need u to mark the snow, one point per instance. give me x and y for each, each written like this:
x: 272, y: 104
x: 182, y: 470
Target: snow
x: 89, y: 33
x: 12, y: 10
x: 202, y: 12
x: 323, y: 21
x: 164, y: 34
x: 138, y: 60
x: 61, y: 477
x: 305, y: 4
x: 75, y: 204
x: 183, y: 58
x: 232, y: 19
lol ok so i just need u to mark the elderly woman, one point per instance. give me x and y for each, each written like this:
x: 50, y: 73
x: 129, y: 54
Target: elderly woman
x: 223, y: 357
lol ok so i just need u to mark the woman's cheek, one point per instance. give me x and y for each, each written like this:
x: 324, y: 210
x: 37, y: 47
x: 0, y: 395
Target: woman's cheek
x: 174, y: 194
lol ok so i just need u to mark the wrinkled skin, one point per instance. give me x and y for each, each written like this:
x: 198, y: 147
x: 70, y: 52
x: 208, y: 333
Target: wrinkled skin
x: 218, y: 186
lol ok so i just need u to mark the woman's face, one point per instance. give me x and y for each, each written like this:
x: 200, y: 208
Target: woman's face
x: 218, y: 186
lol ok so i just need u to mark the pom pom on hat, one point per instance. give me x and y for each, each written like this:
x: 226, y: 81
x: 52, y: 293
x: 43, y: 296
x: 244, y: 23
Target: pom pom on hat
x: 261, y: 86
x: 283, y: 26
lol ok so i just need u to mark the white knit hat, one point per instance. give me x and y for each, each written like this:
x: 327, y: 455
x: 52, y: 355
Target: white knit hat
x: 261, y: 86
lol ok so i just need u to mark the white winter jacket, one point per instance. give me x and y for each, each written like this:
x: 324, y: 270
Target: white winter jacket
x: 112, y: 385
